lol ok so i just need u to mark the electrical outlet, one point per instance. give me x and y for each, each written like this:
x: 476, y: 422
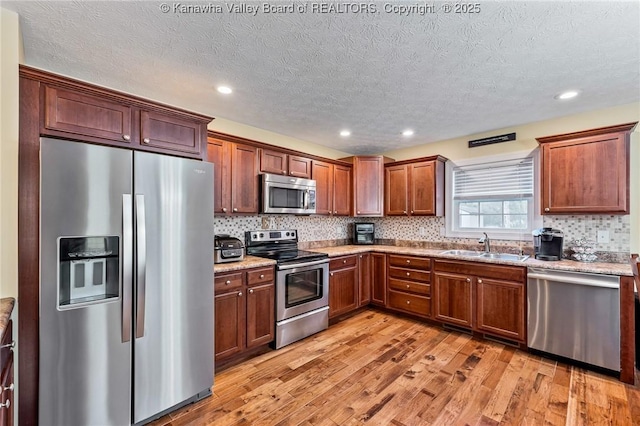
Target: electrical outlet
x: 338, y: 229
x: 603, y: 237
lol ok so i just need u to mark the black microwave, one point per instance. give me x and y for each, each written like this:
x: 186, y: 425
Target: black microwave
x: 363, y: 233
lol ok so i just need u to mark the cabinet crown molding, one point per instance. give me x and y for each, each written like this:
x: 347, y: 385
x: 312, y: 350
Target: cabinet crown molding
x: 626, y: 127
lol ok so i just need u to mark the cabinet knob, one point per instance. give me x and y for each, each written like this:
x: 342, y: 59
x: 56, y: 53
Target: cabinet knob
x: 7, y: 388
x: 408, y: 261
x: 239, y: 294
x: 404, y: 212
x: 261, y: 276
x: 408, y: 302
x: 126, y: 137
x: 331, y: 274
x: 468, y: 280
x: 146, y: 140
x: 408, y: 286
x: 235, y: 209
x: 408, y: 274
x: 344, y: 261
x: 250, y: 291
x: 224, y: 209
x: 411, y: 211
x: 479, y: 281
x: 6, y: 404
x: 546, y: 209
x: 358, y: 212
x: 360, y: 256
x: 9, y: 345
x: 228, y: 282
x: 335, y: 212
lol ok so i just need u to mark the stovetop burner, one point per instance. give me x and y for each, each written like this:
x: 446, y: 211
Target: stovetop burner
x: 281, y: 246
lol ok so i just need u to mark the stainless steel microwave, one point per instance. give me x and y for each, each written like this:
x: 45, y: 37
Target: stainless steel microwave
x: 287, y: 195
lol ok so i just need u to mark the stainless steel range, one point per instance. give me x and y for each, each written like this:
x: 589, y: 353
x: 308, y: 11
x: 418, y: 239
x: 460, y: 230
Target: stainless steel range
x: 302, y: 284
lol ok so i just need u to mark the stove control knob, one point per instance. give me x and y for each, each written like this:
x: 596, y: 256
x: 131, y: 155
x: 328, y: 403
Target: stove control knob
x: 287, y: 234
x: 293, y: 234
x: 261, y: 235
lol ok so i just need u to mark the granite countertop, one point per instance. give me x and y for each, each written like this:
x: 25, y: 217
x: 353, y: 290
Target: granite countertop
x: 622, y: 269
x: 563, y: 265
x: 246, y: 263
x: 6, y: 307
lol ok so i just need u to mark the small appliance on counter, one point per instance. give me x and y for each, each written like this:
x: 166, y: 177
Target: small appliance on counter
x: 547, y: 243
x: 363, y: 233
x: 227, y: 249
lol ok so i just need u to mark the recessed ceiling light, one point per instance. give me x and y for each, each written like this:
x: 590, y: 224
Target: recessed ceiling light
x: 407, y: 133
x: 567, y: 95
x: 225, y: 90
x: 345, y: 133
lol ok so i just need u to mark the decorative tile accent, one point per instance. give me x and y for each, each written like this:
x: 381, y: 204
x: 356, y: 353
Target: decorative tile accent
x: 326, y: 231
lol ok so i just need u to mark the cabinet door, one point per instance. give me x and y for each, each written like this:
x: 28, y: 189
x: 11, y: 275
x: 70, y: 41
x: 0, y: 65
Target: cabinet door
x: 422, y: 188
x: 396, y: 190
x: 343, y: 291
x: 368, y: 185
x: 341, y: 190
x: 260, y: 315
x: 218, y: 154
x: 322, y: 174
x: 299, y: 167
x: 452, y: 299
x: 230, y: 323
x: 244, y: 179
x: 500, y: 308
x: 378, y: 279
x: 273, y: 162
x: 6, y: 396
x: 573, y: 180
x: 171, y: 133
x: 364, y: 278
x: 86, y: 115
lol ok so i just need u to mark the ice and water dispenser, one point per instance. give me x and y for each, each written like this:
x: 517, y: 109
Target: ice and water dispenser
x: 88, y: 270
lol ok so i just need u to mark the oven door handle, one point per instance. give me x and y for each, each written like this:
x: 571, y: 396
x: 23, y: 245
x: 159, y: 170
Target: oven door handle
x: 300, y: 265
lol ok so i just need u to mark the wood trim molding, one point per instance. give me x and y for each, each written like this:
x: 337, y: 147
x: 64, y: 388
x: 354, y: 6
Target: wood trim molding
x: 627, y: 331
x: 263, y: 145
x: 627, y: 127
x: 418, y: 160
x: 106, y: 93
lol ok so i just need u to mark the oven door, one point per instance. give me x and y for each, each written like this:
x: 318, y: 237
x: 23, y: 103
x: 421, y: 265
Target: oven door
x: 301, y: 288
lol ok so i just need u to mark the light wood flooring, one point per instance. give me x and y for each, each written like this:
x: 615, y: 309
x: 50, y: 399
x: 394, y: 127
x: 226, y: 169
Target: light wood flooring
x: 379, y: 369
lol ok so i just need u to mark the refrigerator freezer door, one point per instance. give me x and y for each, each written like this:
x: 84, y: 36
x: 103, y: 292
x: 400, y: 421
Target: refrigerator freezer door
x: 173, y: 360
x: 85, y: 373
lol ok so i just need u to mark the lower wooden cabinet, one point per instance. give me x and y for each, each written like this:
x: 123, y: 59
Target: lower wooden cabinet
x: 364, y: 278
x: 343, y: 285
x: 6, y: 377
x: 244, y: 311
x: 379, y: 279
x: 484, y: 297
x: 409, y: 284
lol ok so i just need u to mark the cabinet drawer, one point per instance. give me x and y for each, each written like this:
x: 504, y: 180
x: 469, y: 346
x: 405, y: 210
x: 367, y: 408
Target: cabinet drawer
x: 412, y: 303
x: 227, y: 282
x: 343, y: 262
x: 410, y: 286
x: 410, y: 274
x: 260, y: 276
x: 422, y: 263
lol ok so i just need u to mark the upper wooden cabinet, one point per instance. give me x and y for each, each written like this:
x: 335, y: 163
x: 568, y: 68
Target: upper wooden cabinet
x: 586, y: 172
x: 333, y: 188
x: 282, y: 163
x: 415, y: 188
x: 235, y: 176
x: 99, y: 118
x: 368, y: 184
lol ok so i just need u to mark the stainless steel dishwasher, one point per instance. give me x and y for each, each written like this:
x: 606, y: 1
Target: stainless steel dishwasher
x: 575, y: 315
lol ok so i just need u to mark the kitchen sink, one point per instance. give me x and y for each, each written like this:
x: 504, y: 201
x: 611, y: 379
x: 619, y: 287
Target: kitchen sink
x: 505, y: 256
x: 462, y: 253
x: 497, y: 256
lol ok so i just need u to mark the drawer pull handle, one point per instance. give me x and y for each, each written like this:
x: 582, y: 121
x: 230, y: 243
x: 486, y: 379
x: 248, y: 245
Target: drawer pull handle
x: 408, y: 274
x: 126, y: 137
x: 250, y: 291
x: 7, y: 388
x: 9, y: 345
x: 261, y: 276
x: 408, y: 302
x: 408, y: 286
x: 6, y: 404
x: 344, y: 261
x: 408, y: 261
x: 228, y: 282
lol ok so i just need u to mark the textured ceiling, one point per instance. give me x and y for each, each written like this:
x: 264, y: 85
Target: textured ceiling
x: 309, y: 75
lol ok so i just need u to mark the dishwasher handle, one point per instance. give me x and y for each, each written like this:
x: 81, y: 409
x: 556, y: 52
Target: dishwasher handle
x: 574, y: 280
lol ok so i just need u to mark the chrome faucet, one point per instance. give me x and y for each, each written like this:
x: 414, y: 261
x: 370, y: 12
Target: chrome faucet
x: 485, y: 240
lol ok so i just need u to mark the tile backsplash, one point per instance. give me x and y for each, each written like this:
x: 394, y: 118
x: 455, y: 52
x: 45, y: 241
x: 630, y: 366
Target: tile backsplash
x: 420, y: 228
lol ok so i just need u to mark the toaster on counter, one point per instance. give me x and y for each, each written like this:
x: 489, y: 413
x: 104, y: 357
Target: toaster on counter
x: 227, y: 249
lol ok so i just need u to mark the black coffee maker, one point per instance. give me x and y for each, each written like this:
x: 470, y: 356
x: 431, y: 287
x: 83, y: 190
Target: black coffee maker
x: 547, y: 243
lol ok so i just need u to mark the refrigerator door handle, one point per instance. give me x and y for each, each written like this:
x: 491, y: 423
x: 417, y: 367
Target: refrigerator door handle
x: 127, y: 265
x: 141, y: 259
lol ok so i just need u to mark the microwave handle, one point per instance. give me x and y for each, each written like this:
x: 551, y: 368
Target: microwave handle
x: 305, y: 200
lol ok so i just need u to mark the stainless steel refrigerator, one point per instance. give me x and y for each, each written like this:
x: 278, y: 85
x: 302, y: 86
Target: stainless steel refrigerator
x: 126, y: 284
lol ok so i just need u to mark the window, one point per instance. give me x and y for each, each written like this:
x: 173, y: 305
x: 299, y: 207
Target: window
x: 496, y: 196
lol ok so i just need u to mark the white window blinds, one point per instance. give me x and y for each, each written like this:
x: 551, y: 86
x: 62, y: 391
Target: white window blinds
x: 497, y: 180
